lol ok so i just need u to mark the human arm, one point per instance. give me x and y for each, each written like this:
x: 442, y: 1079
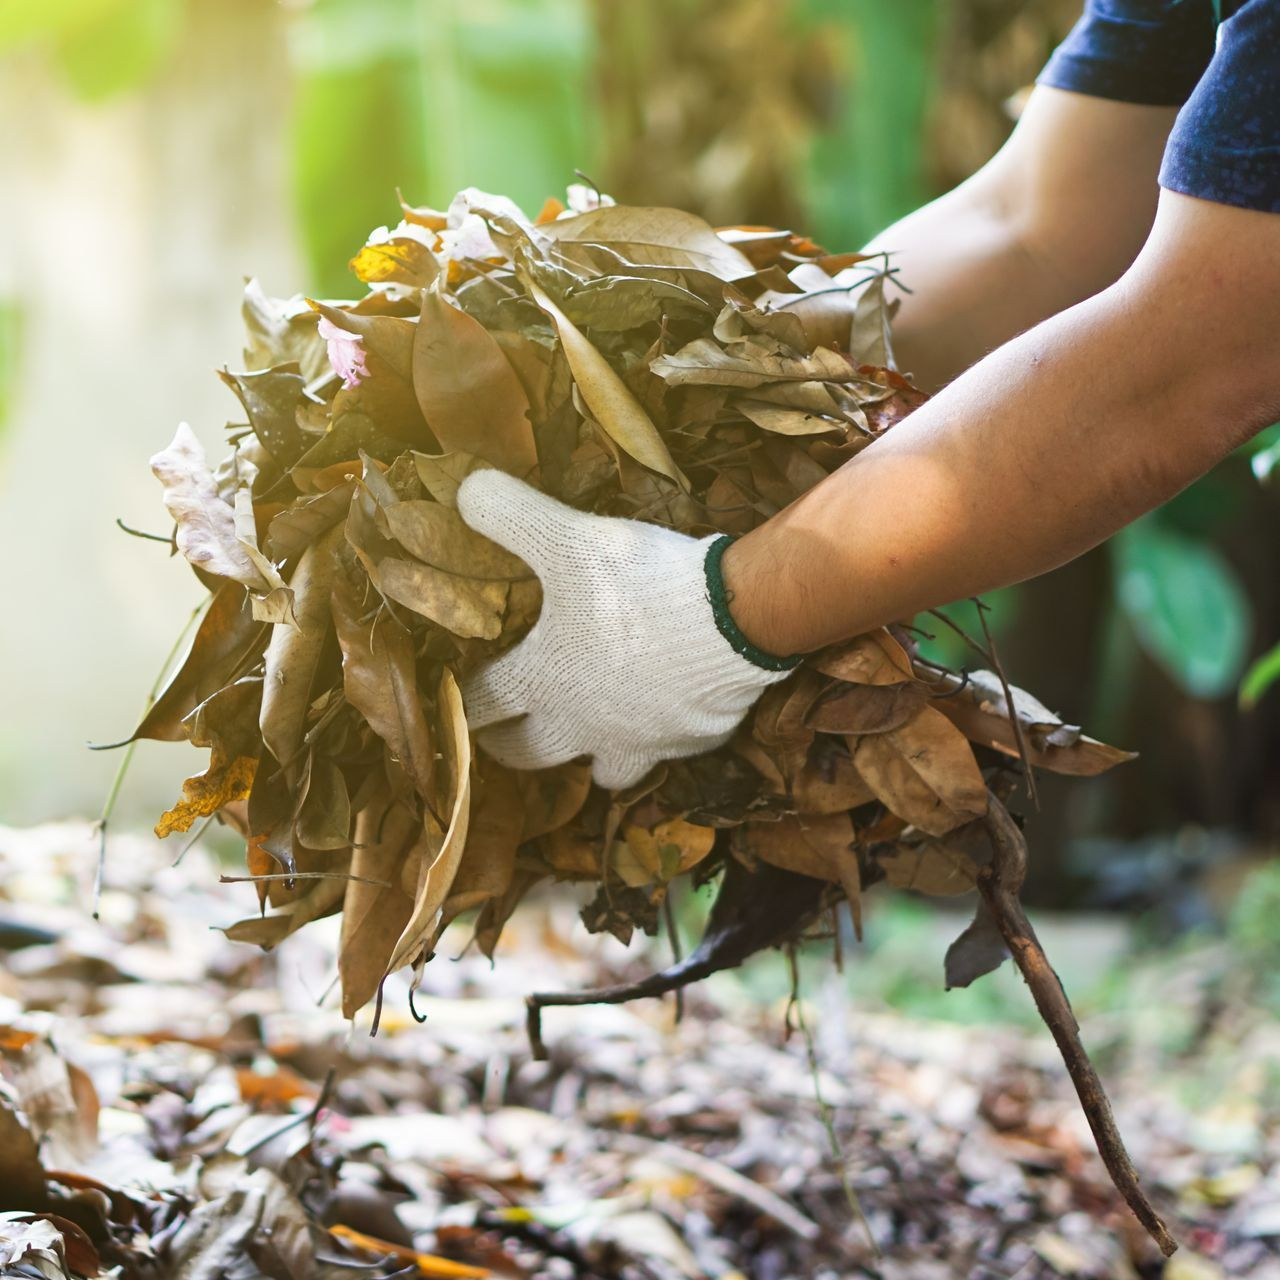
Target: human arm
x: 1042, y: 449
x: 1036, y: 453
x: 1058, y: 214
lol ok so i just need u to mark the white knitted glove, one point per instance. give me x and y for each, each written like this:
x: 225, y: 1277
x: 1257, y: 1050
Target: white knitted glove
x: 629, y: 661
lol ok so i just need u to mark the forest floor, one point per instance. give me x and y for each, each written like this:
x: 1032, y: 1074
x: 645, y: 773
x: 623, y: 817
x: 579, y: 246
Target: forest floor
x: 202, y: 1110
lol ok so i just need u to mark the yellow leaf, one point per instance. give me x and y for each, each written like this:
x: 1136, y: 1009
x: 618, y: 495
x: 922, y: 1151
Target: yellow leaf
x: 670, y: 849
x: 206, y: 793
x: 402, y: 261
x: 428, y: 1264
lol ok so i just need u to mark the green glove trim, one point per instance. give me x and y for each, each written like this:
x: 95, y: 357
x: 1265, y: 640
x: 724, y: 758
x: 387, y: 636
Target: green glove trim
x: 718, y: 594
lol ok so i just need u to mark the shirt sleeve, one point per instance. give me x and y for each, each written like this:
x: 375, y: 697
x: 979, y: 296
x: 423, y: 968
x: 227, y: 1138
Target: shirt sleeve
x: 1225, y: 144
x: 1150, y: 52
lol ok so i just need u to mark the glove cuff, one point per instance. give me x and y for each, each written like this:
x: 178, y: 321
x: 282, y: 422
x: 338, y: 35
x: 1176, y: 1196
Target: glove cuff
x: 718, y: 595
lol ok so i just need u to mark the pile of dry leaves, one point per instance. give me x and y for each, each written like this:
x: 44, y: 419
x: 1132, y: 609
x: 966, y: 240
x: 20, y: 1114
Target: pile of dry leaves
x: 630, y: 361
x: 172, y: 1104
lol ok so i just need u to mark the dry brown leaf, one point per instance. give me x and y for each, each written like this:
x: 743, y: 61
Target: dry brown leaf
x: 460, y: 605
x: 440, y: 537
x: 225, y: 640
x: 924, y: 772
x: 941, y: 868
x: 437, y: 877
x: 611, y: 403
x: 552, y: 798
x: 319, y: 898
x: 442, y: 473
x: 374, y: 915
x: 652, y: 237
x: 293, y: 652
x: 829, y: 782
x: 379, y: 679
x: 980, y: 711
x: 873, y: 658
x: 817, y: 846
x: 467, y: 390
x: 493, y: 836
x: 858, y: 709
x: 572, y: 854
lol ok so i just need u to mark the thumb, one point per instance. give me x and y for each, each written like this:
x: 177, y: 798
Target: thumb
x: 526, y: 521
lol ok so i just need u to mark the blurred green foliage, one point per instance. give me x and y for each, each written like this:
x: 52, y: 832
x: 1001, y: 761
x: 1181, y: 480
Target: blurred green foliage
x: 101, y: 46
x: 428, y: 99
x: 1263, y: 674
x: 868, y: 168
x: 1184, y: 602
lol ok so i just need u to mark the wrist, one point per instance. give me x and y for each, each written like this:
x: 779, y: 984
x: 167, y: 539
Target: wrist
x: 736, y: 616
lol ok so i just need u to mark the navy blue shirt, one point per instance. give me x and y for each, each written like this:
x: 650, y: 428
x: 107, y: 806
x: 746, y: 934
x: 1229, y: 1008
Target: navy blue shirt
x: 1224, y: 75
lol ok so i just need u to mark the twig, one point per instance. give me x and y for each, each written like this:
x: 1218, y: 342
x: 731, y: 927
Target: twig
x: 304, y: 875
x: 754, y: 909
x: 730, y: 1181
x: 104, y: 819
x: 677, y: 951
x: 992, y: 659
x: 824, y: 1110
x: 306, y: 1117
x: 592, y: 183
x: 194, y: 840
x: 166, y: 538
x: 999, y: 884
x: 1014, y: 723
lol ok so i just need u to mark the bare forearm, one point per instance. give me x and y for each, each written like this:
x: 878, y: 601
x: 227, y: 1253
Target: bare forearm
x: 973, y: 285
x: 1039, y: 452
x: 1058, y: 215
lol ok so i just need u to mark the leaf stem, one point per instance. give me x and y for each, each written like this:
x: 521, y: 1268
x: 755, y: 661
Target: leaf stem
x: 122, y: 769
x: 824, y: 1109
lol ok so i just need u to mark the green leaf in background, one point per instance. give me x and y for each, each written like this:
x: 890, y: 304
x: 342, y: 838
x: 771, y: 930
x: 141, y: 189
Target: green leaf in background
x: 1209, y: 505
x: 868, y: 169
x: 120, y: 48
x: 431, y: 96
x: 948, y: 649
x: 22, y: 21
x: 358, y: 128
x: 1185, y: 604
x: 1264, y: 453
x: 506, y: 83
x: 1264, y: 672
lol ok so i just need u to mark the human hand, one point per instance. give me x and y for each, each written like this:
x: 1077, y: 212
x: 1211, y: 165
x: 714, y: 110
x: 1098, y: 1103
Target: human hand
x: 634, y: 657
